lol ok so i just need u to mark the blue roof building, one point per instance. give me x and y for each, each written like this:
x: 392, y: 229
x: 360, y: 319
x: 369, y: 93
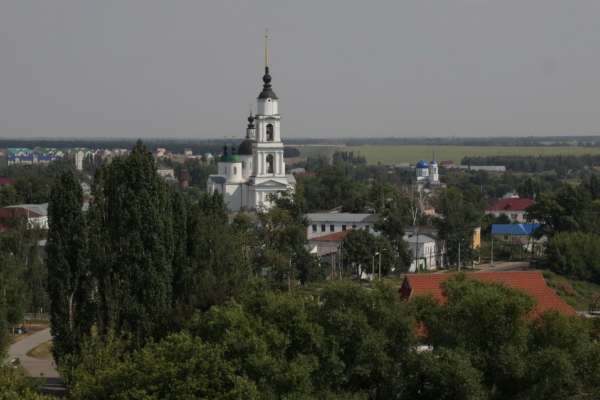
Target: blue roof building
x: 514, y: 229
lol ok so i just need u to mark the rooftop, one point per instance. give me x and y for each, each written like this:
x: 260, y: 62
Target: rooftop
x: 531, y: 283
x: 341, y: 217
x: 332, y: 237
x: 40, y: 210
x: 514, y: 229
x: 511, y: 204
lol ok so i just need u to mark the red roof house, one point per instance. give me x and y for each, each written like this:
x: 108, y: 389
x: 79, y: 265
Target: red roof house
x: 6, y: 181
x: 531, y: 283
x: 332, y: 237
x: 511, y: 204
x: 513, y: 208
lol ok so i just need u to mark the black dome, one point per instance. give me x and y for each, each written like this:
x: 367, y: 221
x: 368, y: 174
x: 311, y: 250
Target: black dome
x: 245, y: 148
x: 267, y: 91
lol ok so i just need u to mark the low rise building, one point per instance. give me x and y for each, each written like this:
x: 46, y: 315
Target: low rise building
x: 426, y: 252
x: 531, y: 283
x: 36, y: 215
x: 321, y: 224
x: 513, y: 208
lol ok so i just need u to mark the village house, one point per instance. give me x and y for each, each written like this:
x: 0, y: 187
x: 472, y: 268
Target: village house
x: 513, y: 208
x: 531, y: 283
x: 321, y: 224
x: 36, y: 215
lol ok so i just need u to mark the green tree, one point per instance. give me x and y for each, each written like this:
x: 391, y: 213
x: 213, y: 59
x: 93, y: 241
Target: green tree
x: 363, y: 250
x: 455, y: 226
x: 575, y: 254
x: 69, y: 277
x: 14, y: 385
x: 218, y: 266
x: 134, y: 224
x: 441, y: 375
x: 283, y: 254
x: 178, y: 367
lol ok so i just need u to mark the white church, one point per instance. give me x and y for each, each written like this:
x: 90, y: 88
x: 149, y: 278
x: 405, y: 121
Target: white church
x: 252, y: 175
x: 428, y: 172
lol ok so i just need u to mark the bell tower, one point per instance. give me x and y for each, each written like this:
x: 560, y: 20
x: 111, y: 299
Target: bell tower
x: 268, y: 152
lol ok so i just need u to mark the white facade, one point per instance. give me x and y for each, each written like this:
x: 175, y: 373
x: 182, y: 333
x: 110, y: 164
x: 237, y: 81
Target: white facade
x: 251, y: 177
x: 424, y: 252
x: 321, y: 224
x: 428, y: 172
x: 79, y: 155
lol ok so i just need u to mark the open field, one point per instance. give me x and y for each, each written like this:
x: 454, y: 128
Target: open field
x: 398, y: 154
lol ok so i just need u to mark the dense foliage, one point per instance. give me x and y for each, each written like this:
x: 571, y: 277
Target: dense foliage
x: 159, y: 293
x: 575, y: 254
x: 69, y: 283
x: 32, y: 182
x: 352, y: 343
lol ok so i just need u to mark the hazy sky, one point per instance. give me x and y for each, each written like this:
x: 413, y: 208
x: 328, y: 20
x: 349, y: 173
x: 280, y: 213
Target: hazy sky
x: 175, y: 68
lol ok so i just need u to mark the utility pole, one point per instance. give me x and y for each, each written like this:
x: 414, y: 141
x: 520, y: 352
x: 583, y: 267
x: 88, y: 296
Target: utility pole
x: 492, y: 261
x: 459, y: 242
x: 372, y: 267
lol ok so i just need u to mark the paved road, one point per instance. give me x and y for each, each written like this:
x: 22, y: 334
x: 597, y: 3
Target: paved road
x: 505, y: 266
x: 35, y: 367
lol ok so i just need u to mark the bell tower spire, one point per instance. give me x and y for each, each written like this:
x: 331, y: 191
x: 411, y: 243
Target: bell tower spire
x: 266, y: 49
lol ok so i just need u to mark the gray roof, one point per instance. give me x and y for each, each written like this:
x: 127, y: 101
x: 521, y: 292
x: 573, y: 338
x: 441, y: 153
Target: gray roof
x: 422, y: 238
x: 217, y: 178
x: 39, y: 209
x: 341, y: 217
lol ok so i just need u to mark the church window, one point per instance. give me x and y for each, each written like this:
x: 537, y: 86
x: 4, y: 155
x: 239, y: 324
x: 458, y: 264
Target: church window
x: 270, y: 164
x: 331, y: 228
x: 269, y: 132
x: 235, y: 170
x: 323, y: 228
x: 343, y: 227
x: 314, y: 228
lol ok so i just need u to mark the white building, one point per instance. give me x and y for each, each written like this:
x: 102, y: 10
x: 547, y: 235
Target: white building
x: 252, y: 176
x: 35, y: 214
x: 321, y: 224
x: 166, y: 172
x: 428, y: 172
x: 424, y: 251
x: 79, y: 156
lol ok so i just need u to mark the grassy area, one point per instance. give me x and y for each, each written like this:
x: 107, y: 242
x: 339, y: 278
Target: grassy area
x: 398, y: 154
x: 43, y: 351
x: 576, y: 293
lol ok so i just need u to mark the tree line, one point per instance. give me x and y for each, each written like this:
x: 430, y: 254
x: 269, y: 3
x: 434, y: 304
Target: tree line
x: 351, y: 343
x: 535, y: 164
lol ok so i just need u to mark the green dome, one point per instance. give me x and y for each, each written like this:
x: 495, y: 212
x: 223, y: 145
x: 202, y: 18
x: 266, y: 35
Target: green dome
x: 230, y: 158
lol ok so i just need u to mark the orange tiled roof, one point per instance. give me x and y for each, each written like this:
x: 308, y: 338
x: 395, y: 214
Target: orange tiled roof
x: 332, y: 237
x: 529, y: 282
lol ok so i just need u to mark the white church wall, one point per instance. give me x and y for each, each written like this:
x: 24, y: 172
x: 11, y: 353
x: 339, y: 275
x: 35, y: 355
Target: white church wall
x: 267, y: 107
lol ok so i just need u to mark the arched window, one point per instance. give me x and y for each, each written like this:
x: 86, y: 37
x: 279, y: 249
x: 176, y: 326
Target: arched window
x: 235, y: 170
x: 269, y: 132
x: 270, y: 164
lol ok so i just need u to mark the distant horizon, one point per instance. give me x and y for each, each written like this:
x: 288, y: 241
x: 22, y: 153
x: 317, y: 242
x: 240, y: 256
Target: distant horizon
x: 293, y: 139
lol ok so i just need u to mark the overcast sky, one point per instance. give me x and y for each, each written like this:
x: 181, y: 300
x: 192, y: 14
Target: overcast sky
x: 176, y: 68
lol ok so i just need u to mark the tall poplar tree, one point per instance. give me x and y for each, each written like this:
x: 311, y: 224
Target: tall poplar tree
x: 69, y: 278
x: 136, y: 220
